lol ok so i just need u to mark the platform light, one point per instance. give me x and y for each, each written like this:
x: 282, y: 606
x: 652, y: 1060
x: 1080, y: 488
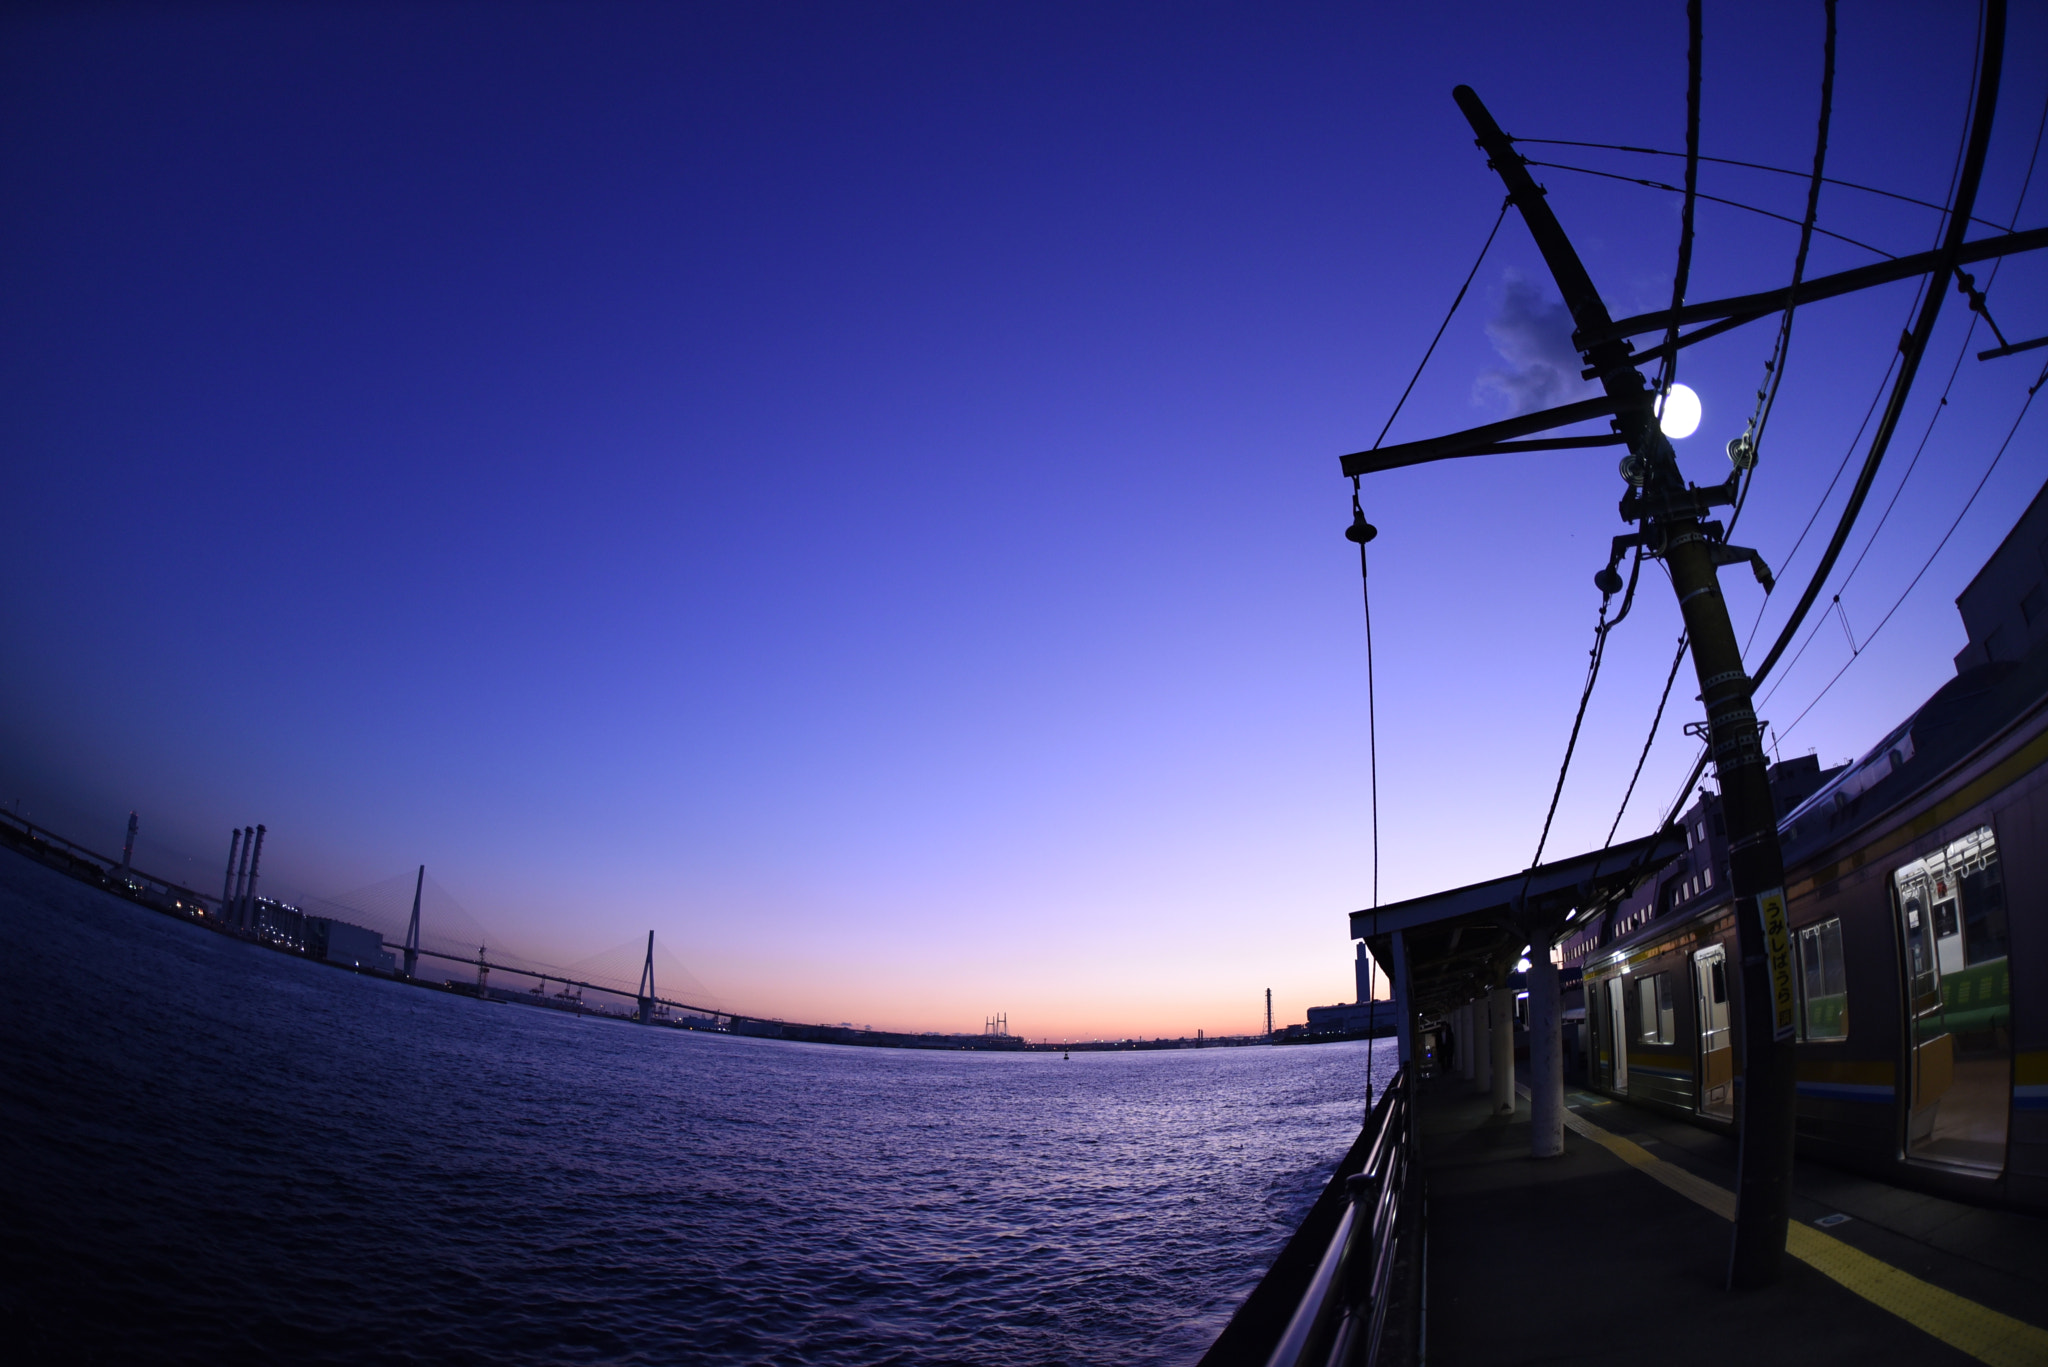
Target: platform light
x: 1678, y: 413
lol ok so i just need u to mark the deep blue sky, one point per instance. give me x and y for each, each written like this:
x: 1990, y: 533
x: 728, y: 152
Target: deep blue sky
x: 855, y: 488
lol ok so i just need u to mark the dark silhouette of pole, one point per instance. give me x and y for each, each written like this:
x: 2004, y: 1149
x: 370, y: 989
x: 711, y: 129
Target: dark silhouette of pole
x: 227, y: 882
x: 1673, y: 527
x: 1673, y: 517
x: 412, y: 930
x: 647, y: 983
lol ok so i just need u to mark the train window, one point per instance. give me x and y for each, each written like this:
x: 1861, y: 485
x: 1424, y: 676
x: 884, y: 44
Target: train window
x: 1823, y: 983
x: 1656, y: 1019
x: 1952, y: 926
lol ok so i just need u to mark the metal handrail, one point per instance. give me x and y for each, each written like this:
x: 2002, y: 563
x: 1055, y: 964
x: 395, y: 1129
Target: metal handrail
x: 1343, y: 1311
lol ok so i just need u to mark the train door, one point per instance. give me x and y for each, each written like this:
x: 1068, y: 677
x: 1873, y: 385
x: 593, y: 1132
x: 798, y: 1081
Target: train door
x: 1717, y: 1055
x: 1952, y: 925
x: 1617, y: 1029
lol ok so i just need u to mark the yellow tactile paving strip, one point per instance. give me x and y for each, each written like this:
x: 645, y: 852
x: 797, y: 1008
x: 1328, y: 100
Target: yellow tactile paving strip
x: 1963, y: 1324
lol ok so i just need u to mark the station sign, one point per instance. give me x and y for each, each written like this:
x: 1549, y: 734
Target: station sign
x: 1770, y: 906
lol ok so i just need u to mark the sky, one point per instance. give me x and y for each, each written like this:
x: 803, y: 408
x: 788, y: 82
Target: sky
x: 854, y: 489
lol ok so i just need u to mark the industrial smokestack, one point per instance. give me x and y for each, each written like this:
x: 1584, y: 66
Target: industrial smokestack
x: 242, y: 875
x: 128, y: 850
x: 249, y: 895
x: 227, y: 882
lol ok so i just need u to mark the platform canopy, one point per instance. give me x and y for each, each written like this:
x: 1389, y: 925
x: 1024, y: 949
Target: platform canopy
x: 1465, y: 941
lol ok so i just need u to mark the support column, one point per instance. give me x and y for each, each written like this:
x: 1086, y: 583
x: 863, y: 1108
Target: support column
x: 1468, y: 1040
x: 1503, y: 1031
x: 1546, y: 1056
x: 1404, y: 1004
x: 1482, y: 1046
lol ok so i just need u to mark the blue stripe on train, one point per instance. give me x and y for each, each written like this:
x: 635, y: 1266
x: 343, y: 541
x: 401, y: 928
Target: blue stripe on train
x: 1848, y: 1091
x: 2030, y: 1097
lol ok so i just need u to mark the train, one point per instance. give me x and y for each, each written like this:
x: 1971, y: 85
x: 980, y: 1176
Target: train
x: 1916, y: 879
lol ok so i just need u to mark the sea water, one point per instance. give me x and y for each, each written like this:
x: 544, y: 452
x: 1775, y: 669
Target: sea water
x: 210, y: 1151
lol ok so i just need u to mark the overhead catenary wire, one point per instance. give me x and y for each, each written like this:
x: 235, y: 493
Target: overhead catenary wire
x: 1962, y: 353
x: 1774, y: 368
x: 1767, y: 393
x: 1680, y: 277
x: 1915, y: 342
x: 1449, y: 314
x: 1714, y: 199
x: 1362, y: 532
x: 1963, y: 193
x: 1751, y: 165
x: 1968, y: 503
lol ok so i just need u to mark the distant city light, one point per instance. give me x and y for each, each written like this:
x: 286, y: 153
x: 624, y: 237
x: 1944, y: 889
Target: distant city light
x: 1679, y: 413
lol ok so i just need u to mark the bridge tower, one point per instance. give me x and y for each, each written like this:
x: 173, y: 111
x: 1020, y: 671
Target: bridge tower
x: 412, y: 931
x: 647, y: 984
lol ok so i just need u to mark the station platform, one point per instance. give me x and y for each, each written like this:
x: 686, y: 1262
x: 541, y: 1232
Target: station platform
x: 1616, y: 1252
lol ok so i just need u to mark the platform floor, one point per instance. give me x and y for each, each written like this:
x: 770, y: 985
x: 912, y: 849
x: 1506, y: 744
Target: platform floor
x: 1588, y: 1258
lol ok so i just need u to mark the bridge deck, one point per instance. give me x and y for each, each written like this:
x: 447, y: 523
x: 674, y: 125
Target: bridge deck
x: 1605, y: 1256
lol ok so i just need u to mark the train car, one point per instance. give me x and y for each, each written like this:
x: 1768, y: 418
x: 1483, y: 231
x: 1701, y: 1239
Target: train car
x: 1916, y: 880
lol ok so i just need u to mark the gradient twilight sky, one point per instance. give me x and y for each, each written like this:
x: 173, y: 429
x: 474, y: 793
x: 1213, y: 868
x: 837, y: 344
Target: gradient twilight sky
x: 855, y: 488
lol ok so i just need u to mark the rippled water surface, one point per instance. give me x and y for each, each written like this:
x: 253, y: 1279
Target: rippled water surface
x: 209, y: 1151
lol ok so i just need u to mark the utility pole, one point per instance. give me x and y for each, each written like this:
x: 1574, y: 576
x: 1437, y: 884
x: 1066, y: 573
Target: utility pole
x: 1676, y: 526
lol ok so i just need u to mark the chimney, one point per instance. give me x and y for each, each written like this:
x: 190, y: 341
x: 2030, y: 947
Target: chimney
x: 242, y: 875
x: 227, y: 884
x: 249, y: 895
x: 128, y: 850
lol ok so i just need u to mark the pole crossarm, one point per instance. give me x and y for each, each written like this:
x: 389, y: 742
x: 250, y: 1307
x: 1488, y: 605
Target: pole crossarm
x: 1748, y: 307
x: 1493, y: 438
x: 2013, y: 349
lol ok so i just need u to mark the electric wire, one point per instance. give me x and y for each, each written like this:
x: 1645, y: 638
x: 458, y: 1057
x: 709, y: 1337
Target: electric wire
x: 1915, y: 343
x: 1358, y: 522
x: 1751, y: 165
x: 1665, y: 697
x: 1372, y: 739
x: 1715, y: 199
x: 1962, y: 353
x: 1767, y: 394
x: 1668, y: 372
x: 1599, y: 650
x: 1774, y: 368
x: 1963, y: 192
x: 1929, y: 562
x: 1448, y: 315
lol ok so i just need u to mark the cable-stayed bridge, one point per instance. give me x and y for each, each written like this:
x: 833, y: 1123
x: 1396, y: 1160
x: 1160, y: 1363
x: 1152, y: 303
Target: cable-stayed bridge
x: 417, y: 918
